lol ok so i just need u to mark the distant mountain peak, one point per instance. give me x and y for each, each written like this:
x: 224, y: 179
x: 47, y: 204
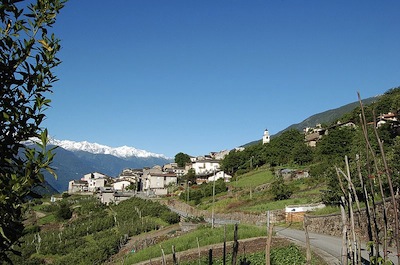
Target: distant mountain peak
x: 95, y: 148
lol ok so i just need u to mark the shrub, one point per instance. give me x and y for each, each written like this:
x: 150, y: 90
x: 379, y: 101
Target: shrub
x: 170, y: 217
x: 280, y: 190
x: 63, y: 212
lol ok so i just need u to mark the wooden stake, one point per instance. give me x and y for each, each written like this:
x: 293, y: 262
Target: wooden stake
x: 224, y: 254
x: 235, y: 245
x: 174, y: 256
x: 344, y: 232
x: 268, y: 245
x: 198, y: 249
x: 308, y: 248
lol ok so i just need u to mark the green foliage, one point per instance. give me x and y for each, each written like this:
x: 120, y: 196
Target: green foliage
x: 64, y: 211
x: 65, y: 195
x: 206, y: 236
x: 279, y: 256
x: 280, y: 190
x: 28, y: 56
x: 94, y: 234
x: 287, y: 255
x: 252, y: 157
x: 302, y: 154
x: 190, y: 176
x: 204, y: 190
x: 252, y: 179
x: 336, y: 145
x: 280, y: 150
x: 287, y: 148
x: 181, y: 159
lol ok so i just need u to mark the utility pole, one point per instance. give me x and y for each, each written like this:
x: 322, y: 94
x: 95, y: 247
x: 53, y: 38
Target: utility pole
x: 212, y: 213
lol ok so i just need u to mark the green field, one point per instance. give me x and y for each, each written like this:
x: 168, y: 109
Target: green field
x: 204, y: 235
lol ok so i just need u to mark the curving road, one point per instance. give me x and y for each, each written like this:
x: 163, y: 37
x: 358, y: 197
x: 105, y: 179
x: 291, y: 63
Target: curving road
x: 329, y: 244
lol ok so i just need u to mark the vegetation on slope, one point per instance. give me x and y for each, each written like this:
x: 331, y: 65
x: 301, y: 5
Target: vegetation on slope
x: 81, y: 230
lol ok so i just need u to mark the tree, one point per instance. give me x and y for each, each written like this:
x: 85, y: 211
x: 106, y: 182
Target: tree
x: 302, y: 154
x: 181, y: 159
x: 63, y: 212
x: 338, y: 143
x: 280, y: 190
x: 28, y: 56
x: 190, y: 176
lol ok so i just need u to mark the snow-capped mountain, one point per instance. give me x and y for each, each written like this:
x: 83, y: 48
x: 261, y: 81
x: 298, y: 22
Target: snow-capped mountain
x: 95, y: 148
x: 74, y: 159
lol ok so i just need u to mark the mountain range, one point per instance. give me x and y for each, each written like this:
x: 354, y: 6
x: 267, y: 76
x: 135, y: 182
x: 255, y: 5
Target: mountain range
x: 75, y: 159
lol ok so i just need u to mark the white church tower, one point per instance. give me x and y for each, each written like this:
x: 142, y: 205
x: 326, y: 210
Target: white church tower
x: 265, y: 139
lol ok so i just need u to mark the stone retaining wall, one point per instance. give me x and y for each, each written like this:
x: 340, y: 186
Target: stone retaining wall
x: 246, y: 218
x: 332, y: 224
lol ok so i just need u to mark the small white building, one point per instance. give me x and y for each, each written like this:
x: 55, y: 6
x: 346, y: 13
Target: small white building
x: 220, y: 175
x: 121, y: 185
x: 295, y: 213
x: 206, y: 166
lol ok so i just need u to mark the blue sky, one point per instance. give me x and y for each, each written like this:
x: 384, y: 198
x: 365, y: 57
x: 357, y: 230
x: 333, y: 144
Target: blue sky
x: 201, y: 76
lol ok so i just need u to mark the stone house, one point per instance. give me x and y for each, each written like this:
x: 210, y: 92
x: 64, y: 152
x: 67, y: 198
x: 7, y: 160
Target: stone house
x: 157, y: 182
x: 77, y: 186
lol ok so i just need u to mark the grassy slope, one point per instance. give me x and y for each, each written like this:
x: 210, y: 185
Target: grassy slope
x: 250, y: 193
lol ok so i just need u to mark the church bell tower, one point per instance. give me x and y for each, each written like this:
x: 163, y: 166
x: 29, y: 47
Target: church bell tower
x: 265, y: 139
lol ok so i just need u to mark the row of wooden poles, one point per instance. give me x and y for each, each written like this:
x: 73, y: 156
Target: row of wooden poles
x: 235, y: 250
x: 351, y: 253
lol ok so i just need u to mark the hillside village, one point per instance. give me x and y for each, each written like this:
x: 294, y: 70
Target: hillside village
x: 149, y: 181
x: 158, y: 180
x: 155, y: 181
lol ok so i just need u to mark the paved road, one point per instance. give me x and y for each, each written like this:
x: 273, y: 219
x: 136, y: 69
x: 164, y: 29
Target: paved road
x: 329, y: 244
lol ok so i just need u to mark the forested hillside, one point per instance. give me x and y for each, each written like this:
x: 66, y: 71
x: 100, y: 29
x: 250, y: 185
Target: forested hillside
x: 289, y: 148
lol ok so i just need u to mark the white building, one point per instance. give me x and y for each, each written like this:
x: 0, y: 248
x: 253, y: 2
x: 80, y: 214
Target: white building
x: 173, y: 167
x: 266, y: 138
x: 205, y: 167
x: 220, y: 175
x: 121, y: 185
x: 95, y: 180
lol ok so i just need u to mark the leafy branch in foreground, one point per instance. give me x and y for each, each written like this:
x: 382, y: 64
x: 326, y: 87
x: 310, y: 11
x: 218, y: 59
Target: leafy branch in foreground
x: 27, y: 58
